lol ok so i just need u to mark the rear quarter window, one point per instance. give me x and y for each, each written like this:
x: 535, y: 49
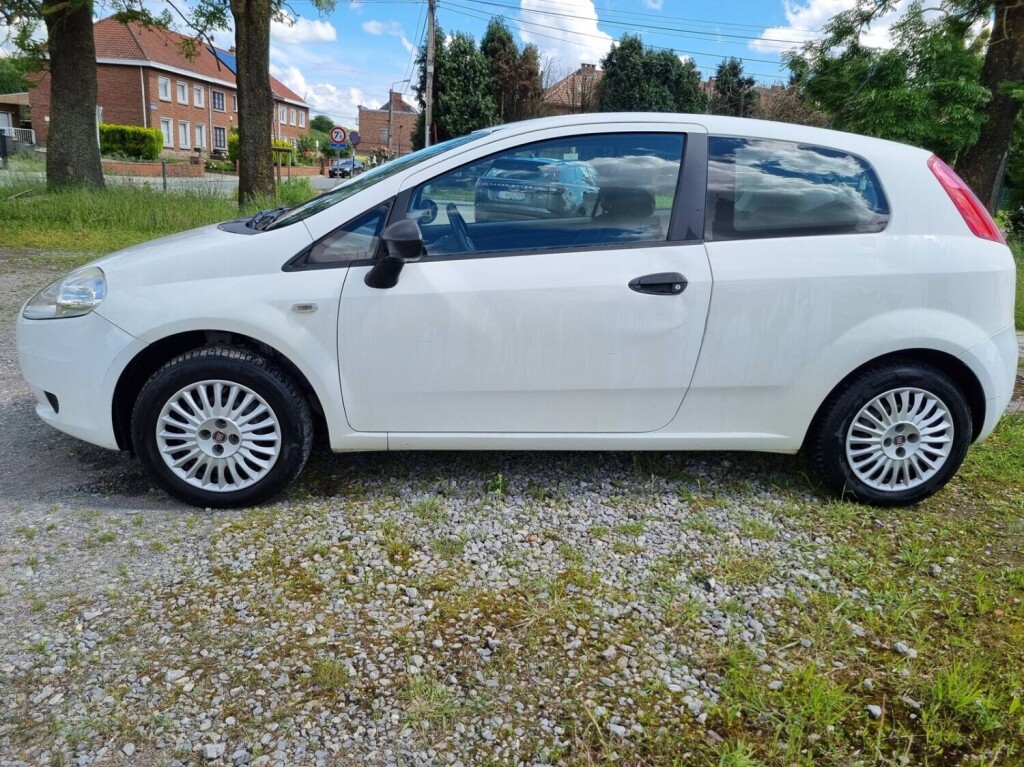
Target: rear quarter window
x: 761, y: 188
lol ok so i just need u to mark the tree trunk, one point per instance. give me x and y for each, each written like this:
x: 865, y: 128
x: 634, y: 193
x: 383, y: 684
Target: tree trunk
x: 982, y: 165
x: 255, y: 99
x: 72, y: 149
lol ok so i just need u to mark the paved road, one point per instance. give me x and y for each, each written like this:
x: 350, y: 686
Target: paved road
x: 208, y: 182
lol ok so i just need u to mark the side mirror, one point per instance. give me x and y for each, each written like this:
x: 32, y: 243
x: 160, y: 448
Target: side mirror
x: 403, y: 242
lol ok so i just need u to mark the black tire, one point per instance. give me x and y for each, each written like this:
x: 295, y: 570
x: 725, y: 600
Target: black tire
x: 286, y: 427
x: 826, y: 443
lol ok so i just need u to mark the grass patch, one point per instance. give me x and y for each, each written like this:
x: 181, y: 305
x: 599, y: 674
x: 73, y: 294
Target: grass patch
x: 117, y: 217
x: 1017, y: 246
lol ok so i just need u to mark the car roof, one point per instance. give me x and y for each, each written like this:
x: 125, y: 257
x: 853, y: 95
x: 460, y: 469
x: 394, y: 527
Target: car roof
x: 746, y: 127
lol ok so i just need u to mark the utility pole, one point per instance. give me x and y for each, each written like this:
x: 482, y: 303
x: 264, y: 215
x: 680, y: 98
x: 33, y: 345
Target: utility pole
x: 429, y: 95
x: 391, y: 109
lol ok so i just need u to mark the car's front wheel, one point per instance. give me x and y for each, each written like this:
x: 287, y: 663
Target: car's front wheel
x: 893, y: 435
x: 222, y: 427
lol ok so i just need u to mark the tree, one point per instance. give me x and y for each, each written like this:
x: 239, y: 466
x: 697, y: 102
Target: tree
x: 941, y: 74
x: 462, y: 89
x: 788, y: 105
x: 515, y: 75
x: 12, y: 74
x: 982, y: 165
x: 321, y: 123
x: 733, y: 92
x: 924, y: 90
x: 638, y: 79
x: 73, y: 152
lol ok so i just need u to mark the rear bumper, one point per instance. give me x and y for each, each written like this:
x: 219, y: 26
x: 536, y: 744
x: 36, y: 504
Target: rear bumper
x: 78, y: 362
x: 995, y: 363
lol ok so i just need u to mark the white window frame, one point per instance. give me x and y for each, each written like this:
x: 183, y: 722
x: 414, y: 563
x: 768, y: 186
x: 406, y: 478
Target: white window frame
x: 224, y: 133
x: 184, y: 129
x: 384, y: 137
x: 200, y: 136
x: 302, y: 119
x: 291, y: 117
x: 167, y: 128
x: 282, y: 115
x: 213, y: 99
x: 234, y: 103
x: 199, y: 95
x: 163, y: 87
x: 182, y: 89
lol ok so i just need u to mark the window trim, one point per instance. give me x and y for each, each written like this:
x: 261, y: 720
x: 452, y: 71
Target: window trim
x: 302, y: 119
x: 187, y: 125
x: 200, y: 128
x: 224, y: 131
x: 182, y: 87
x: 199, y: 96
x: 160, y: 83
x: 213, y: 100
x: 291, y: 116
x: 170, y: 131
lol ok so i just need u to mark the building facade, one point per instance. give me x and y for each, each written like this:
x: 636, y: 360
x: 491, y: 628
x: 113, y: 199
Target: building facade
x: 144, y: 79
x: 374, y: 125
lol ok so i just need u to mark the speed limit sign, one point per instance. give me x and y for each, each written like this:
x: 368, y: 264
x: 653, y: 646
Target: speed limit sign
x: 338, y: 135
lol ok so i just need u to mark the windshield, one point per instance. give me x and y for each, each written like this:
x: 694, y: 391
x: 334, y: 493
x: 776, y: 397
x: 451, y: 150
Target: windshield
x: 368, y: 179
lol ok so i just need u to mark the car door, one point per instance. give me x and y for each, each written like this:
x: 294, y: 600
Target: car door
x: 542, y: 320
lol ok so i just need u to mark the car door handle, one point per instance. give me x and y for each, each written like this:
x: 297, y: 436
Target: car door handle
x: 662, y: 284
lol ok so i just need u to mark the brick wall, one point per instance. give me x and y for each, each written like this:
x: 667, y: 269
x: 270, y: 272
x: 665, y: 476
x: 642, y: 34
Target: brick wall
x: 128, y: 99
x: 373, y: 124
x: 152, y: 169
x: 283, y: 128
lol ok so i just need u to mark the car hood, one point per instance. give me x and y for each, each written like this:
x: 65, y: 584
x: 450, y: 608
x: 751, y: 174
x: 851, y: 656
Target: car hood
x: 208, y: 252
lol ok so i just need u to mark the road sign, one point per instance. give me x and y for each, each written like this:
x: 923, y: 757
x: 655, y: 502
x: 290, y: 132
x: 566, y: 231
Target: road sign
x: 338, y: 146
x: 355, y: 138
x: 338, y: 135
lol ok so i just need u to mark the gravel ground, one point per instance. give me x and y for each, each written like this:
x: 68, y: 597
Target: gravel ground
x: 421, y: 609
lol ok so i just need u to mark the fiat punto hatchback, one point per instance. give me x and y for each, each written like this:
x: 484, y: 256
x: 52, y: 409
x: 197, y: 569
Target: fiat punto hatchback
x: 722, y: 284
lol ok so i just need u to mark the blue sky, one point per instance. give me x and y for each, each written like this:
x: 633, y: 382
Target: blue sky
x: 354, y: 54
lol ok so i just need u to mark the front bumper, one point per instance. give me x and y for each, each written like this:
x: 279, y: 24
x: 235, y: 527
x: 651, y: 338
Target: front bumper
x: 77, y: 361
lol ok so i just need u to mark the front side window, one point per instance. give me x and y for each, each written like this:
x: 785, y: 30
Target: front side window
x: 164, y: 88
x: 282, y: 115
x: 199, y: 97
x: 200, y: 135
x: 183, y: 134
x: 165, y: 128
x: 759, y: 188
x: 355, y: 241
x: 291, y: 117
x: 182, y: 93
x: 573, y: 192
x: 220, y: 138
x: 218, y: 101
x: 302, y: 119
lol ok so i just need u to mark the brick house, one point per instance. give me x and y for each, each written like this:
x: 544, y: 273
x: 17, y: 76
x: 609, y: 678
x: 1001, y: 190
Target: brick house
x: 373, y: 126
x: 574, y: 94
x: 143, y: 79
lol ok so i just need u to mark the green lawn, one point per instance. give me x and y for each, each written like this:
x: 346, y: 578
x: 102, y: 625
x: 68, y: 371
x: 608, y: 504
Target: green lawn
x: 1018, y: 251
x: 121, y: 215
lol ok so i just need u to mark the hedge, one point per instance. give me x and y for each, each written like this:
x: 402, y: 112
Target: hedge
x: 233, y: 145
x: 131, y: 141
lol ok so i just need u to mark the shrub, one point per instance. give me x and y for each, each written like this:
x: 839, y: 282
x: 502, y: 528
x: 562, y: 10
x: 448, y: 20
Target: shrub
x: 131, y: 141
x: 233, y: 148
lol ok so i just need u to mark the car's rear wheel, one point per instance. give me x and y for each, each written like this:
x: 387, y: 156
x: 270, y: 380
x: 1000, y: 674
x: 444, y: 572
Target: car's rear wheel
x: 222, y: 427
x: 894, y: 435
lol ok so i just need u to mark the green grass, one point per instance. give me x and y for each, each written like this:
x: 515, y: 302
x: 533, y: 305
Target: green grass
x: 1017, y: 245
x: 117, y: 217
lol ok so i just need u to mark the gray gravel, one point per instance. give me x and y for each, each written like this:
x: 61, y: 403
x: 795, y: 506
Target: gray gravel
x: 421, y: 609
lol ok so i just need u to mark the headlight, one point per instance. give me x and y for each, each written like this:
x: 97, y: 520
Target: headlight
x: 73, y: 295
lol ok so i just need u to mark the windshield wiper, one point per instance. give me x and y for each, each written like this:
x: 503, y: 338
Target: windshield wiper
x: 265, y: 218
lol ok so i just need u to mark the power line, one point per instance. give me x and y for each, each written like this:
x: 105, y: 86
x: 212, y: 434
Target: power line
x: 470, y: 13
x: 632, y: 24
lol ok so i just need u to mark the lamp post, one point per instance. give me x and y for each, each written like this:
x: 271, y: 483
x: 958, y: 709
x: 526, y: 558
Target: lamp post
x: 391, y: 109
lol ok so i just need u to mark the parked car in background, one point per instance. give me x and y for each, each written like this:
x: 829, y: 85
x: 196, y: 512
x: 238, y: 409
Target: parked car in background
x: 535, y: 187
x: 345, y: 167
x: 665, y: 282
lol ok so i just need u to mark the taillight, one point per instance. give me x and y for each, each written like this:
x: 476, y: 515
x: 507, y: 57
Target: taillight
x: 974, y: 213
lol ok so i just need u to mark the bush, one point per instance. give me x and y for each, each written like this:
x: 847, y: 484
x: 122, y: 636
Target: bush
x: 131, y: 141
x: 233, y: 149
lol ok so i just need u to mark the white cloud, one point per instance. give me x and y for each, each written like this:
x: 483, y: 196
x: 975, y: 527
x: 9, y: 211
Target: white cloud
x: 805, y: 20
x: 299, y: 31
x: 655, y: 4
x: 340, y: 104
x: 577, y: 40
x: 392, y: 28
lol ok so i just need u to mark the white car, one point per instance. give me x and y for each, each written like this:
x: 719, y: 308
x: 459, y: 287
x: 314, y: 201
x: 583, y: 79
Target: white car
x: 733, y: 285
